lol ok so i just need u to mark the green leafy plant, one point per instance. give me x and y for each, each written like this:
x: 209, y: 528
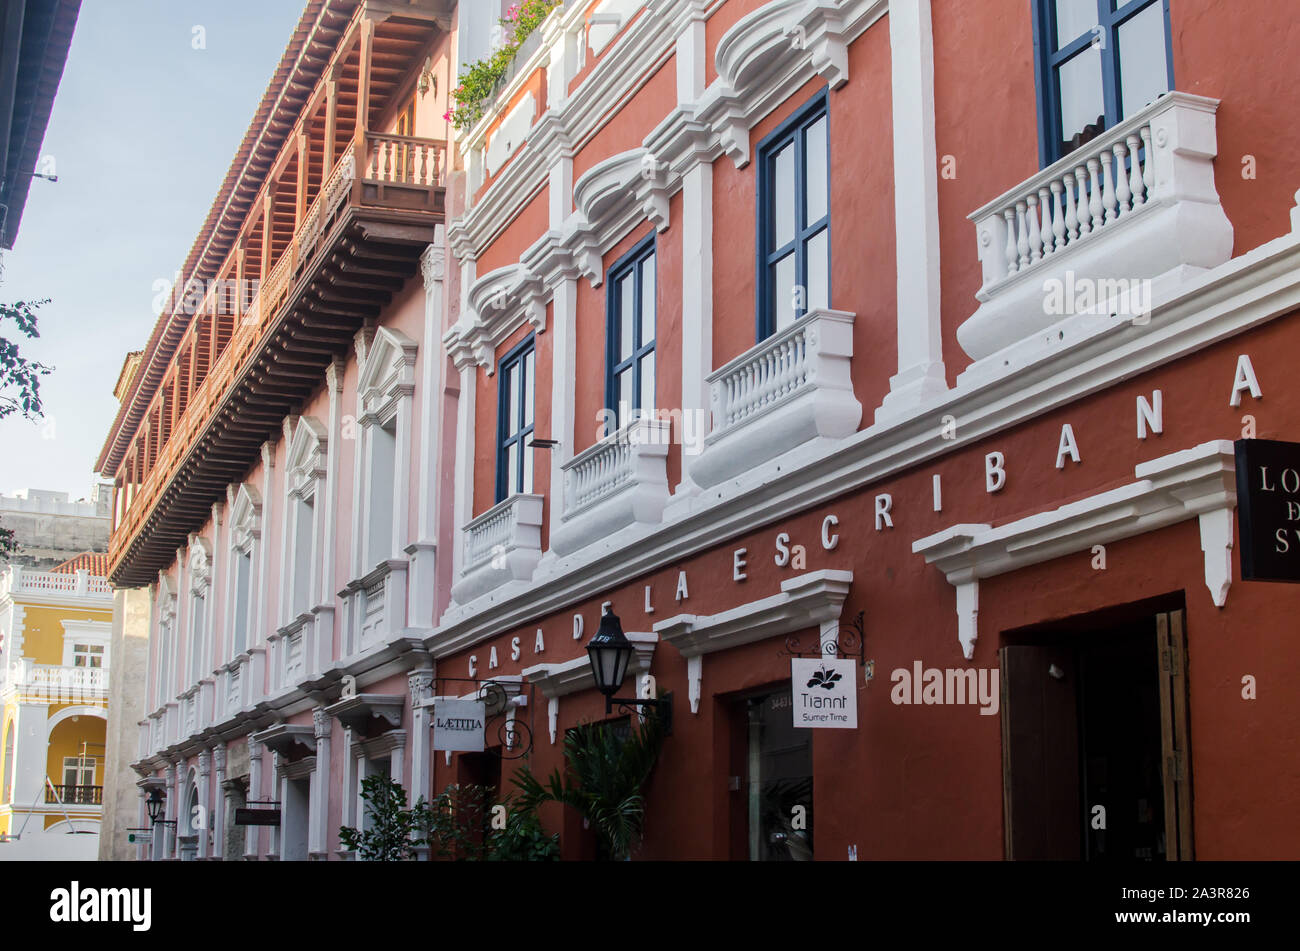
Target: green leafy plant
x: 606, y: 771
x: 468, y: 824
x: 393, y: 831
x: 17, y: 371
x: 479, y: 81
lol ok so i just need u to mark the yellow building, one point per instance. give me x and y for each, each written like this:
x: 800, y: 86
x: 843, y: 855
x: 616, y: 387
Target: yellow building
x: 55, y: 629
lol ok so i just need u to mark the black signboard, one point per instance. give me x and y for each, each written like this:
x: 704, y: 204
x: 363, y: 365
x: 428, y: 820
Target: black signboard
x: 257, y: 817
x: 1268, y: 507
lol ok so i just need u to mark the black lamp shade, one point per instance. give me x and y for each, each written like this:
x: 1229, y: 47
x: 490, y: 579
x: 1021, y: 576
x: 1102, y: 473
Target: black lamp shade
x: 154, y: 804
x: 609, y: 652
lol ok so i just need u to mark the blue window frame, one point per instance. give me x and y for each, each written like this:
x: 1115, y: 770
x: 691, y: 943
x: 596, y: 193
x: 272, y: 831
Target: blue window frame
x: 630, y: 333
x: 515, y: 388
x: 794, y: 218
x: 1099, y: 61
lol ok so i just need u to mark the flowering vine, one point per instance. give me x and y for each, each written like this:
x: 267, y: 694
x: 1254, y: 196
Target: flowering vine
x: 480, y: 80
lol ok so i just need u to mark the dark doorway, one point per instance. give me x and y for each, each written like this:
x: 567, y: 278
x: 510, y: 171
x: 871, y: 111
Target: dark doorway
x: 1094, y: 721
x: 774, y: 780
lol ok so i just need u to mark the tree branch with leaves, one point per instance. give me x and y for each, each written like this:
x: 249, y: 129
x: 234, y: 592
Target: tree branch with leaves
x: 20, y: 378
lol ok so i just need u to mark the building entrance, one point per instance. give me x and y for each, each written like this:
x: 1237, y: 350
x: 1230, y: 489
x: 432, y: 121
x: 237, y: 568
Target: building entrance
x: 1095, y: 741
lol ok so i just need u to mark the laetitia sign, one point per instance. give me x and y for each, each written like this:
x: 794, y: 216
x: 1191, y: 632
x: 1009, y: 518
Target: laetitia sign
x: 825, y: 693
x: 1268, y: 507
x: 458, y: 725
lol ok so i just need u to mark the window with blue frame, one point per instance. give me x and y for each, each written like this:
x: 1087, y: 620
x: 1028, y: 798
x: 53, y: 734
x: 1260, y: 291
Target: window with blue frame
x: 515, y: 388
x: 630, y: 333
x: 794, y: 219
x: 1099, y: 61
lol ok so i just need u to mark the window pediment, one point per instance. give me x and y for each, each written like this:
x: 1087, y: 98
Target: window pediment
x: 307, y: 450
x: 200, y: 564
x: 498, y: 302
x: 388, y: 371
x: 245, y: 517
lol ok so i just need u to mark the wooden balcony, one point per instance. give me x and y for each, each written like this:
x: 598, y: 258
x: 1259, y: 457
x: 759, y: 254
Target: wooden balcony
x: 358, y: 244
x: 74, y: 795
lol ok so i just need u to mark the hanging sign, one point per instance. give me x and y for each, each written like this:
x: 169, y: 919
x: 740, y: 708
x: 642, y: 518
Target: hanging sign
x: 458, y: 726
x: 1268, y: 507
x: 257, y: 817
x: 825, y: 693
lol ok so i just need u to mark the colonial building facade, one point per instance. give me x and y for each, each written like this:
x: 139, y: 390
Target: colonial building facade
x: 909, y: 333
x: 55, y: 658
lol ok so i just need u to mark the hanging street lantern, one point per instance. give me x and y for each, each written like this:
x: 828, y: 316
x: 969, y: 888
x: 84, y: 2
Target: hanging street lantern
x: 609, y: 652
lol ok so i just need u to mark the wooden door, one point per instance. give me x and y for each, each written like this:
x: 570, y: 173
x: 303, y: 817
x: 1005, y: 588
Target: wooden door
x: 1171, y: 646
x: 1040, y: 753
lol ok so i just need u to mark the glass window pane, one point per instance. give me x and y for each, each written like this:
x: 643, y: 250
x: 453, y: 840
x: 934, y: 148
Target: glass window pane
x: 626, y: 314
x: 530, y: 388
x: 783, y: 197
x: 816, y: 160
x: 511, y: 392
x: 783, y: 292
x: 647, y: 301
x: 624, y: 390
x: 527, y: 485
x: 1082, y: 102
x: 819, y: 270
x: 512, y: 468
x: 1073, y: 19
x: 1143, y: 67
x: 647, y: 382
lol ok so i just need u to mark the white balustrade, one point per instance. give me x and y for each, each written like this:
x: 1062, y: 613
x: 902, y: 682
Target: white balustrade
x: 791, y: 388
x: 1135, y: 206
x: 618, y: 481
x: 502, y: 544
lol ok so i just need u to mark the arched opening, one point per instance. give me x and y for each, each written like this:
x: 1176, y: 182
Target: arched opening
x: 7, y: 765
x: 75, y: 759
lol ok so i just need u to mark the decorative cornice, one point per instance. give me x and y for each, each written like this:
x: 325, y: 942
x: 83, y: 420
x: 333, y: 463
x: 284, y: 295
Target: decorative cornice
x: 1195, y: 483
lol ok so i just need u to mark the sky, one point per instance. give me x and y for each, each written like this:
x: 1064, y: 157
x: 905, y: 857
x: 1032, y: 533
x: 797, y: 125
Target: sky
x: 155, y: 99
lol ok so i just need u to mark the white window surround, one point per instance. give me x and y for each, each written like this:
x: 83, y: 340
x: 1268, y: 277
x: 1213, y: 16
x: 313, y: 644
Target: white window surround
x: 756, y: 61
x: 385, y: 391
x: 91, y: 633
x: 165, y: 626
x: 245, y: 522
x: 305, y: 473
x: 1195, y: 483
x: 815, y: 599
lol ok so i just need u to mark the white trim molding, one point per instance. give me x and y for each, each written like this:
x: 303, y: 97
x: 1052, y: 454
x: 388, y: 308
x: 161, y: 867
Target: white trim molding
x: 1194, y: 483
x: 815, y: 599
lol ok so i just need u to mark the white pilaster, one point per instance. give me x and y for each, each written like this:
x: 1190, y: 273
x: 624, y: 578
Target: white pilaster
x: 920, y: 374
x: 697, y: 309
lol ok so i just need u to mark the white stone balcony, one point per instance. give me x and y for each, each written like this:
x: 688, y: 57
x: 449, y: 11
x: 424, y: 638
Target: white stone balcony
x: 1103, y: 230
x: 52, y: 683
x: 375, y: 611
x: 17, y: 580
x: 791, y: 389
x: 233, y: 689
x: 620, y: 481
x: 501, y: 545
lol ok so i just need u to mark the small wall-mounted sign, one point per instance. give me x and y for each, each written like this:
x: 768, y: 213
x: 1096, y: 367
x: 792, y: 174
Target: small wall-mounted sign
x: 1268, y: 507
x: 458, y: 726
x: 825, y: 693
x: 257, y: 817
